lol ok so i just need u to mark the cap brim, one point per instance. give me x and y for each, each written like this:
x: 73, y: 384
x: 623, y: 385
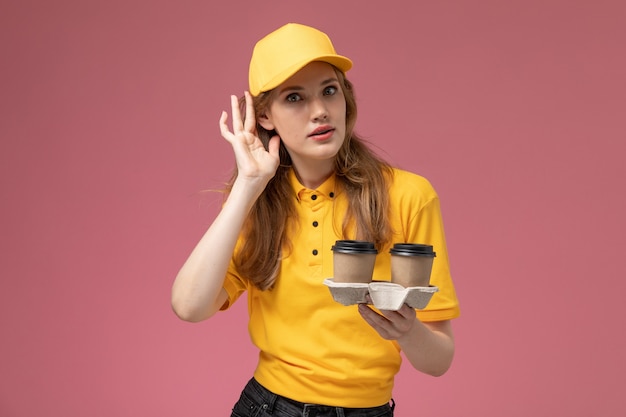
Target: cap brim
x: 341, y: 62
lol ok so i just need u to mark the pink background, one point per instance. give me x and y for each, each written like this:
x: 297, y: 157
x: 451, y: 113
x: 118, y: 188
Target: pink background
x: 515, y: 110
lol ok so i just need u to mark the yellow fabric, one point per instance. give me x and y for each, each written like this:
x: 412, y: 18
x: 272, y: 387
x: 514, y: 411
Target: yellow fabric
x: 313, y: 349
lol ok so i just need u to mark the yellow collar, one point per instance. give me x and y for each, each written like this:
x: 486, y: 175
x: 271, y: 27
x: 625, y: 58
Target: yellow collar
x: 327, y: 188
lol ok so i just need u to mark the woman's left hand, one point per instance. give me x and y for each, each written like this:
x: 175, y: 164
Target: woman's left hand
x: 428, y: 346
x: 391, y: 325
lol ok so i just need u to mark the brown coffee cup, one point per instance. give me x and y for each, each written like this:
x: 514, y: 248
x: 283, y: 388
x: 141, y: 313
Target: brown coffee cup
x: 353, y: 261
x: 411, y: 264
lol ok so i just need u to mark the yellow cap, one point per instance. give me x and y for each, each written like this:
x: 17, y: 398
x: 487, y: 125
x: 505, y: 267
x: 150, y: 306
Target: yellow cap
x: 287, y: 50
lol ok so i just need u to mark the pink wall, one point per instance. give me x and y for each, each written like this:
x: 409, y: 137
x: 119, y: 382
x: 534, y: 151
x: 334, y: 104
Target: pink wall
x: 516, y: 111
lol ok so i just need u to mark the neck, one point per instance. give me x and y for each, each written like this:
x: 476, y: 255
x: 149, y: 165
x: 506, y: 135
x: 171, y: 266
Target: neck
x: 312, y: 175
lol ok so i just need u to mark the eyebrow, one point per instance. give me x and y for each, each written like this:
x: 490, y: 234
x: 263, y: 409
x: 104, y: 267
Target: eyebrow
x: 299, y: 88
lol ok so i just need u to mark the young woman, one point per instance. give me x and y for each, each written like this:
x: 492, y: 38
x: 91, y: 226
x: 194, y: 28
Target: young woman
x: 303, y: 180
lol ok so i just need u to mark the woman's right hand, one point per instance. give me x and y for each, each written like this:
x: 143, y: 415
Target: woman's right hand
x: 198, y: 289
x: 254, y: 163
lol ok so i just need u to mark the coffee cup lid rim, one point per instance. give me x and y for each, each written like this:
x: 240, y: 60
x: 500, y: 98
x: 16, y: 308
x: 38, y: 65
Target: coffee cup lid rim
x: 357, y: 251
x: 354, y: 247
x: 409, y: 252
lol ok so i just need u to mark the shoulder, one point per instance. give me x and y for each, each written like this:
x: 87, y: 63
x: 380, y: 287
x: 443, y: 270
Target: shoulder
x: 408, y: 185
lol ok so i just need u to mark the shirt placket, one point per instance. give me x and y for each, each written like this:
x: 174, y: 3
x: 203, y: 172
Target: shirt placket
x: 314, y: 204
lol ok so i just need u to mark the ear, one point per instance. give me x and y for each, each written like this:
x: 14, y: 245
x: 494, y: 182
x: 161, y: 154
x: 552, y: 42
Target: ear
x: 265, y: 122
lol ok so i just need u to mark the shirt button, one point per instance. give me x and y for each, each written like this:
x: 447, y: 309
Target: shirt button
x: 315, y: 252
x: 315, y: 224
x: 313, y: 197
x: 331, y: 195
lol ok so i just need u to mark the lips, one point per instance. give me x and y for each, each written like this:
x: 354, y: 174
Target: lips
x: 322, y: 130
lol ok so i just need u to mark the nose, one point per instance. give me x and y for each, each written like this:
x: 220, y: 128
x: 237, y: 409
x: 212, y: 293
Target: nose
x: 319, y: 111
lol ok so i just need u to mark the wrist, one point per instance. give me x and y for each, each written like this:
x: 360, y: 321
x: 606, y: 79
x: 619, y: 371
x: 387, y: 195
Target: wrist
x: 242, y: 196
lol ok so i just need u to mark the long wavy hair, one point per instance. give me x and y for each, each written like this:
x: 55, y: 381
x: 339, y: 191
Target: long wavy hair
x: 362, y: 174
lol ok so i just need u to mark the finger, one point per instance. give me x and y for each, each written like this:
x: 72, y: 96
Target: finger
x: 372, y: 317
x: 392, y: 316
x: 378, y: 322
x: 234, y: 106
x: 250, y: 122
x: 407, y: 311
x: 273, y: 146
x: 404, y: 312
x: 226, y: 134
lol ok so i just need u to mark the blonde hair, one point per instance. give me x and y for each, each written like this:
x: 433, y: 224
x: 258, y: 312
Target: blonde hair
x: 360, y: 172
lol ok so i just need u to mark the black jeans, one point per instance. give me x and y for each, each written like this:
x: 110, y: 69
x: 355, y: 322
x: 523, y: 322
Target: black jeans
x: 257, y: 401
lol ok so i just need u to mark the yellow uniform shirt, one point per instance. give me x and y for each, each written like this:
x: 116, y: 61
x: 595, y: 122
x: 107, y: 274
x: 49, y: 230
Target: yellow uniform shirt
x: 313, y: 349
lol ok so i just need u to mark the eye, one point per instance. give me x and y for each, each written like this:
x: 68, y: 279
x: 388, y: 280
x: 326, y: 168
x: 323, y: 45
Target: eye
x: 293, y: 97
x: 330, y: 90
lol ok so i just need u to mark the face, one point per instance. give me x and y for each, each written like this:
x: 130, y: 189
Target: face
x: 308, y: 111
